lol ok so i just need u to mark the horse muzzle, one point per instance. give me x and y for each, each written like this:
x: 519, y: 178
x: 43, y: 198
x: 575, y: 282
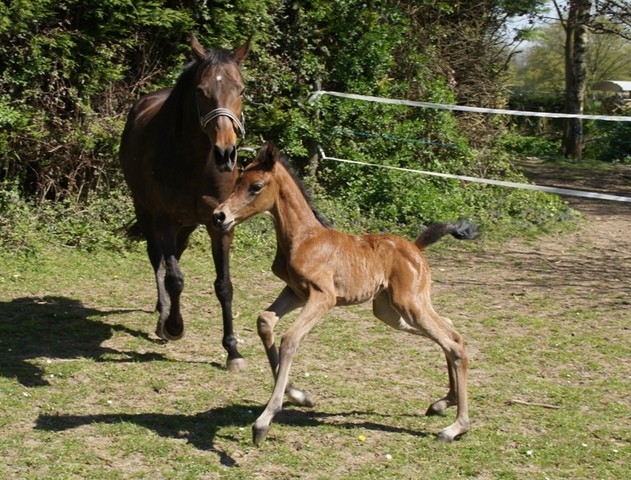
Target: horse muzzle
x: 225, y: 159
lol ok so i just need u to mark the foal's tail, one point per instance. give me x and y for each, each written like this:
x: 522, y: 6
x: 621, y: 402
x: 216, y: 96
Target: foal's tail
x: 461, y: 229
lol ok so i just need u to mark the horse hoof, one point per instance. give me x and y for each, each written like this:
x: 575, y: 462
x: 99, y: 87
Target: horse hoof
x: 438, y: 407
x: 235, y: 365
x: 450, y: 433
x: 259, y: 434
x: 300, y: 398
x: 160, y: 330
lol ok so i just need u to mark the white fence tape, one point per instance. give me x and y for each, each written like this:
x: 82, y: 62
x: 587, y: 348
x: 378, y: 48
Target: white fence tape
x: 502, y: 183
x: 462, y: 108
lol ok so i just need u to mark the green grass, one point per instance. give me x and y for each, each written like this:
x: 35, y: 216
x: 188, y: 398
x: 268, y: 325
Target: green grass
x: 86, y: 392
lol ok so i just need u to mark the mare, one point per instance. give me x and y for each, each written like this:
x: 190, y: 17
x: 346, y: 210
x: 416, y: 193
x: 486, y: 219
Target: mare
x: 178, y: 153
x: 323, y: 267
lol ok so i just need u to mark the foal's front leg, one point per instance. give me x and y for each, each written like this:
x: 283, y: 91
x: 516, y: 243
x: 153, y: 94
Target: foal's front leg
x: 285, y: 303
x: 317, y: 304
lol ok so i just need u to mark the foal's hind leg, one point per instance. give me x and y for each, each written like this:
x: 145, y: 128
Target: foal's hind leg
x: 285, y: 303
x: 411, y: 315
x: 449, y: 400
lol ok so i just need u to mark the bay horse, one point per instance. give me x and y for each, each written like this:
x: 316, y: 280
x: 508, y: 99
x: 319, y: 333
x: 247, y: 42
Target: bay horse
x: 323, y: 267
x: 178, y: 153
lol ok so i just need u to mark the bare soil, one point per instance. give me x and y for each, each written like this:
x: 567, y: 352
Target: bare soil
x: 590, y: 267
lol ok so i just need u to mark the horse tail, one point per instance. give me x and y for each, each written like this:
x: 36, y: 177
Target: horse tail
x: 133, y: 231
x: 461, y: 229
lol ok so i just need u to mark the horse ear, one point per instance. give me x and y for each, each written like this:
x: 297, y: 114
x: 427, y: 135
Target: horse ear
x: 268, y: 155
x: 198, y: 51
x: 242, y: 52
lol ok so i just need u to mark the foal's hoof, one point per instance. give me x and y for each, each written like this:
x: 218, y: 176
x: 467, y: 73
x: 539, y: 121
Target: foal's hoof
x: 259, y: 434
x: 450, y: 433
x: 438, y: 407
x: 235, y: 365
x: 300, y: 398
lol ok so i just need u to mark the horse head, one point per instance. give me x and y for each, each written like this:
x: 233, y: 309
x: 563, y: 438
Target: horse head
x: 219, y: 88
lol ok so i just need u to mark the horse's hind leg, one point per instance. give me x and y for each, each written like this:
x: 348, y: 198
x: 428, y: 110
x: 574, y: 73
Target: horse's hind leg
x: 154, y: 252
x: 449, y: 400
x: 285, y: 303
x: 221, y: 243
x: 170, y: 323
x: 411, y: 315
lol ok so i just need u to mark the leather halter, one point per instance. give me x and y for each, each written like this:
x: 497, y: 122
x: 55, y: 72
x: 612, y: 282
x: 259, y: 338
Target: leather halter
x: 204, y: 120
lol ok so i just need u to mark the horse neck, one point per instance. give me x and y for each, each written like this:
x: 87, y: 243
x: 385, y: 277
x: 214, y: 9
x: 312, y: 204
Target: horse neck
x: 294, y: 219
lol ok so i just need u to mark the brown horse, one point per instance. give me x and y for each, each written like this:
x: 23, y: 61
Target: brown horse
x: 324, y: 268
x: 178, y: 153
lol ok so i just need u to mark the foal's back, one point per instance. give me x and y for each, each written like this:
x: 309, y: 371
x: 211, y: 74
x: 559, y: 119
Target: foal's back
x: 356, y: 268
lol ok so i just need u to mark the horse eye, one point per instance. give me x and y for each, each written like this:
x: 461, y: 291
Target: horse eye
x: 256, y: 188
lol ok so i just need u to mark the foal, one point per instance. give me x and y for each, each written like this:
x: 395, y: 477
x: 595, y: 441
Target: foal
x: 324, y: 268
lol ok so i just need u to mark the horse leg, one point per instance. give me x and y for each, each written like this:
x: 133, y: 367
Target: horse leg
x: 285, y: 303
x: 220, y: 243
x: 449, y: 400
x: 408, y: 314
x: 170, y: 324
x: 317, y: 304
x: 156, y: 258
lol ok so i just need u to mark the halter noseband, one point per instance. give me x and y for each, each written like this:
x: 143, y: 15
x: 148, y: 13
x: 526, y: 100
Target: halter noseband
x: 221, y: 112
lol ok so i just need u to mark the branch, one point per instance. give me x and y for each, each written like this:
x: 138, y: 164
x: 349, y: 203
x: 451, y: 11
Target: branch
x: 532, y: 404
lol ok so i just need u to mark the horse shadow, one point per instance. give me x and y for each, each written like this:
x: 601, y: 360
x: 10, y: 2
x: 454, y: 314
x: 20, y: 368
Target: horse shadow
x: 201, y: 429
x: 56, y: 327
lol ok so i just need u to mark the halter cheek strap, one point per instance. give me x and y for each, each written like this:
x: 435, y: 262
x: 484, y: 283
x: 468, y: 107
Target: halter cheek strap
x: 222, y: 112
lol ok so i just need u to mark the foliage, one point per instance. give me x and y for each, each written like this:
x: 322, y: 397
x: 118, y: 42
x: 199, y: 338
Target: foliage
x: 611, y: 142
x: 71, y: 69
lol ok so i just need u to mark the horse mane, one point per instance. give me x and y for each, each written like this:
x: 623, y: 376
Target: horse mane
x: 304, y: 191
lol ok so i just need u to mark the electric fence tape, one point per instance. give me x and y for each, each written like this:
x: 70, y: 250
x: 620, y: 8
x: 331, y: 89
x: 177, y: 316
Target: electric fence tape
x: 463, y: 108
x: 502, y: 183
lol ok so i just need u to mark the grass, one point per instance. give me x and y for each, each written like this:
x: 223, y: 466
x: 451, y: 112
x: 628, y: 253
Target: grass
x: 87, y: 392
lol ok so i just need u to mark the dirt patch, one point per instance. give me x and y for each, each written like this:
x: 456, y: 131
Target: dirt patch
x: 589, y: 269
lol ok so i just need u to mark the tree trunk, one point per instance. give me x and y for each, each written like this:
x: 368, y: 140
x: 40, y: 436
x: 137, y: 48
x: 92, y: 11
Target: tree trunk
x: 575, y: 75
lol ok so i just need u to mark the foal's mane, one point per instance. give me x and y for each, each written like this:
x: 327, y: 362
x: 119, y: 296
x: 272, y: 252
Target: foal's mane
x: 303, y: 190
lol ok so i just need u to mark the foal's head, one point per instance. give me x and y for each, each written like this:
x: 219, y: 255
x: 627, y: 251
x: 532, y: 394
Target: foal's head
x: 256, y: 190
x: 218, y: 95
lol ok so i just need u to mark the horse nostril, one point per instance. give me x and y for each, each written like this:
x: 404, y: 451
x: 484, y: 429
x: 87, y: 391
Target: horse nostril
x: 225, y: 159
x: 233, y: 155
x: 218, y: 219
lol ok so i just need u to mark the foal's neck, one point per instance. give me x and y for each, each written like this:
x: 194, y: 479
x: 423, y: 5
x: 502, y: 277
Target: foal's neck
x: 294, y: 218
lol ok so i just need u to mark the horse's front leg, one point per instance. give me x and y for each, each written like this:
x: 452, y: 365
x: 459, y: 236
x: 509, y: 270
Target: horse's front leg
x: 285, y: 303
x: 317, y: 305
x: 221, y: 243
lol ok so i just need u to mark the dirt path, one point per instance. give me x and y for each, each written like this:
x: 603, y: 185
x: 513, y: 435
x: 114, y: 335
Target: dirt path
x: 587, y: 270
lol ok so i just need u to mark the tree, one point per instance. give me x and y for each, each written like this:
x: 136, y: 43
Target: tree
x: 578, y: 18
x: 576, y: 38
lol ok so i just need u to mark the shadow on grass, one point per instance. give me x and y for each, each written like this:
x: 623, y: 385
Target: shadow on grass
x: 55, y: 327
x: 201, y: 429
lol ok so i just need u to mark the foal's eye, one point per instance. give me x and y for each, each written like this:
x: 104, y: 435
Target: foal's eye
x: 256, y: 188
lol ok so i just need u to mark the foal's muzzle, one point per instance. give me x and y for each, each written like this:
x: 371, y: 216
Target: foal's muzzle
x: 219, y: 220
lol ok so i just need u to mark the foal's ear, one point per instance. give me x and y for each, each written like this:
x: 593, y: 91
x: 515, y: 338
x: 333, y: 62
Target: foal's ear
x: 198, y: 51
x: 242, y: 52
x: 268, y: 155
